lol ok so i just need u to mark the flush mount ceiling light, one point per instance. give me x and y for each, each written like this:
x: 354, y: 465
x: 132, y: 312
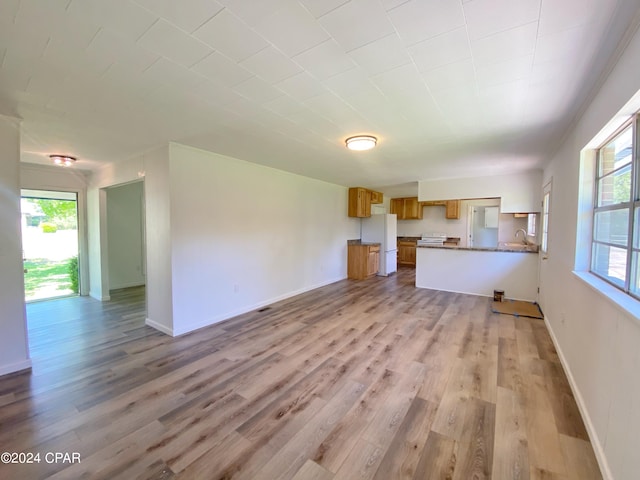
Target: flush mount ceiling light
x: 361, y: 142
x: 62, y: 160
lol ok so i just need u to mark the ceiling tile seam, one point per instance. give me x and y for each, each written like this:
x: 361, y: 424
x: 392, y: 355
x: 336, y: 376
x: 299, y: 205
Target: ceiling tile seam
x: 173, y: 23
x: 213, y: 52
x: 630, y: 31
x: 266, y: 40
x: 398, y: 6
x: 95, y: 35
x: 325, y: 13
x: 17, y: 13
x: 473, y: 60
x: 415, y: 66
x: 147, y: 30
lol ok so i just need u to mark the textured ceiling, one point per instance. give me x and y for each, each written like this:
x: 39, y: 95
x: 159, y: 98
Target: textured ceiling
x: 450, y: 87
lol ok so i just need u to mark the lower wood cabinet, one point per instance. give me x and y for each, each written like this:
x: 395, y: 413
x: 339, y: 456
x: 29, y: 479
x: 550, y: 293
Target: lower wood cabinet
x: 407, y: 253
x: 362, y: 261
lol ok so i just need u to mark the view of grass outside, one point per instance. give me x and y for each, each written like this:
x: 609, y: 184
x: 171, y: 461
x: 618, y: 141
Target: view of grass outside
x: 50, y: 248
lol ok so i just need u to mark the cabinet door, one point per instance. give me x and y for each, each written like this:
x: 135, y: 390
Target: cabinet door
x: 397, y: 206
x: 376, y: 197
x: 373, y: 263
x: 359, y: 202
x: 412, y: 208
x: 453, y: 209
x: 491, y: 217
x: 407, y: 253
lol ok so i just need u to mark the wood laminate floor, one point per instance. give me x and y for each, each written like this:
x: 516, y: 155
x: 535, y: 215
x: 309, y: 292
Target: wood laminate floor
x: 369, y: 379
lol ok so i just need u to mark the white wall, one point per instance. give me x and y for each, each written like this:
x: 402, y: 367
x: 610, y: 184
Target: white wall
x: 518, y: 192
x: 598, y: 342
x: 14, y: 353
x: 153, y: 166
x: 454, y: 270
x: 245, y: 235
x: 125, y: 235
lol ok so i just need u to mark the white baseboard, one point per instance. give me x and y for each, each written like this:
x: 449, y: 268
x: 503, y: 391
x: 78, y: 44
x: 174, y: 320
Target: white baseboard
x: 593, y: 435
x: 159, y: 326
x: 127, y: 285
x: 225, y: 316
x: 15, y: 367
x: 100, y: 297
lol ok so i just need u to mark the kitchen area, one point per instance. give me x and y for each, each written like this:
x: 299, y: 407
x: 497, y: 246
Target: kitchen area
x: 465, y: 245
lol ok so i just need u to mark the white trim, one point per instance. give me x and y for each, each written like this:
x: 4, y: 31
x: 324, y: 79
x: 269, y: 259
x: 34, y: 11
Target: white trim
x: 15, y: 367
x: 159, y: 327
x: 249, y: 308
x: 584, y: 413
x: 120, y: 286
x: 100, y: 297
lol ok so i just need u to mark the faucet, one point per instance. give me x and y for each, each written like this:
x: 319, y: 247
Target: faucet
x: 524, y: 235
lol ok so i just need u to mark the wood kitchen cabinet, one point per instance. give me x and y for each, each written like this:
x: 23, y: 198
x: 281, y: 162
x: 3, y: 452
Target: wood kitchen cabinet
x: 452, y: 207
x: 362, y: 261
x: 376, y: 197
x: 452, y: 211
x: 408, y: 208
x: 359, y: 202
x: 407, y: 252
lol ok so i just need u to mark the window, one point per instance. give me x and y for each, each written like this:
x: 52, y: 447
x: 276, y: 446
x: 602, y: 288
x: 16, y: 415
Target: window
x: 531, y: 224
x: 544, y: 238
x: 615, y: 246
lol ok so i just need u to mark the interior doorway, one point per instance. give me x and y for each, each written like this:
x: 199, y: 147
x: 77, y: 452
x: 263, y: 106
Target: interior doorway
x: 50, y: 244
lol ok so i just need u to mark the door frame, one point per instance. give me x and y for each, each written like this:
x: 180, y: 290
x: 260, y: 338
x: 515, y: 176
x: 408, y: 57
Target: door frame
x: 83, y: 248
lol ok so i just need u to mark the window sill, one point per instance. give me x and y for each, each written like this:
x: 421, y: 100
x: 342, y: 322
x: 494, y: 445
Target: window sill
x: 618, y: 298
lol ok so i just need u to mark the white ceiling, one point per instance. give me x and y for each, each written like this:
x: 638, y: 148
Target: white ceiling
x: 450, y: 87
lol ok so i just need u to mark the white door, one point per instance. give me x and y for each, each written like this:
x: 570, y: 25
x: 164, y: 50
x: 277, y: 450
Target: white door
x: 543, y: 269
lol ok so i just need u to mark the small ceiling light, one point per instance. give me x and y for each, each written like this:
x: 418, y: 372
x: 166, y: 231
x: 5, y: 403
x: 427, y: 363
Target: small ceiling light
x: 62, y: 160
x: 361, y: 142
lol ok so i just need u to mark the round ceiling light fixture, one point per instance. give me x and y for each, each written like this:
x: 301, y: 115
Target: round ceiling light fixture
x: 62, y: 160
x: 361, y: 142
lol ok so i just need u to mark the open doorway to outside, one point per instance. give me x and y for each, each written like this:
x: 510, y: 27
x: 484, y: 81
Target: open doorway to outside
x: 50, y: 244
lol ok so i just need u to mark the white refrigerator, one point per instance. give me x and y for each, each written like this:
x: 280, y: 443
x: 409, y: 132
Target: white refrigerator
x: 383, y: 229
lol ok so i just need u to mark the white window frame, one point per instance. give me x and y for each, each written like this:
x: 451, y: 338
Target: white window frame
x: 631, y: 205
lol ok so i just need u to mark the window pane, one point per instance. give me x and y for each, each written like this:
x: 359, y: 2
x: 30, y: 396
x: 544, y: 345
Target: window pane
x: 636, y: 228
x: 610, y: 262
x: 612, y: 226
x: 634, y: 286
x: 616, y: 153
x: 615, y: 188
x: 545, y: 223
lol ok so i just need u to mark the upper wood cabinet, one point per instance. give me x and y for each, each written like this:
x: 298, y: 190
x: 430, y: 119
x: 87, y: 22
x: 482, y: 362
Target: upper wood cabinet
x: 452, y: 209
x: 360, y: 200
x: 408, y: 208
x: 376, y: 197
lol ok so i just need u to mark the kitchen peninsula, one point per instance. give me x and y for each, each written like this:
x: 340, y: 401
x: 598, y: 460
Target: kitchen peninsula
x: 479, y: 271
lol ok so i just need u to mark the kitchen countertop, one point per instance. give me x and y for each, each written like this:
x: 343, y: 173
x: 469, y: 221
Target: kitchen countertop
x: 360, y: 242
x: 529, y: 249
